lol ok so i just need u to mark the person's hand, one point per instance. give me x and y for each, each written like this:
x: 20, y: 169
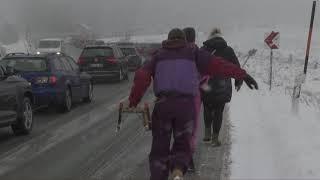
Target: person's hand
x: 238, y: 84
x: 251, y: 83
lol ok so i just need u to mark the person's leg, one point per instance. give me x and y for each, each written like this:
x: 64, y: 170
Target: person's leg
x: 182, y: 132
x: 196, y: 123
x: 217, y: 122
x: 159, y: 157
x: 207, y: 113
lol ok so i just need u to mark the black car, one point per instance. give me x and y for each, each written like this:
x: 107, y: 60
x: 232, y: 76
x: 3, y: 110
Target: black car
x: 16, y: 103
x: 104, y: 62
x: 55, y: 78
x: 135, y: 61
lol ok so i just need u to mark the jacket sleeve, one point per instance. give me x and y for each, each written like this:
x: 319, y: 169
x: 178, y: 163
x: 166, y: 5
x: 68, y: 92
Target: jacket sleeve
x: 232, y: 55
x: 217, y: 66
x: 142, y: 81
x: 209, y: 65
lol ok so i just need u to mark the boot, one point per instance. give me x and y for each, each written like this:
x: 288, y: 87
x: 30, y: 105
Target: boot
x: 207, y: 135
x: 177, y: 174
x: 191, y: 167
x: 215, y: 140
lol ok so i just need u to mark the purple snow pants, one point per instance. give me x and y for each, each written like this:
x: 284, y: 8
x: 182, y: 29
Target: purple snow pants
x: 174, y: 115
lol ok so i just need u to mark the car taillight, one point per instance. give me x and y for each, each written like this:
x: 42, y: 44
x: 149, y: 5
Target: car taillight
x: 112, y: 60
x: 53, y: 80
x: 80, y: 60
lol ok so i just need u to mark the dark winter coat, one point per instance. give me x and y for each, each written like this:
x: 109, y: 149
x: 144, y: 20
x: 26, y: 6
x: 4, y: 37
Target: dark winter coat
x: 220, y: 88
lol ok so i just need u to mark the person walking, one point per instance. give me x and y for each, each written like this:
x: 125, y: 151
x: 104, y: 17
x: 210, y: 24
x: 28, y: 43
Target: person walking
x: 191, y: 39
x: 174, y: 70
x: 220, y: 88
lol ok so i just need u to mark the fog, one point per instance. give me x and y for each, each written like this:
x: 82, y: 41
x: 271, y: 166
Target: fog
x: 153, y: 16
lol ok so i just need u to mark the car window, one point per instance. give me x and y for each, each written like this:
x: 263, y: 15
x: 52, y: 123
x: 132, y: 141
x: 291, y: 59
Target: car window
x: 97, y: 51
x: 128, y: 51
x: 1, y: 71
x: 58, y: 64
x: 24, y: 64
x: 66, y: 64
x: 49, y: 44
x: 72, y: 63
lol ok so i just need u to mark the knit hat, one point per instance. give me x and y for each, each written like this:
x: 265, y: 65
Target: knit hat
x: 176, y: 34
x: 190, y: 33
x: 216, y: 32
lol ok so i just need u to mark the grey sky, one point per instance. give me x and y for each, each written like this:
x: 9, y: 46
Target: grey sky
x: 158, y: 15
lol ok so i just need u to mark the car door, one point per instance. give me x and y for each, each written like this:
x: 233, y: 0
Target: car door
x: 84, y: 78
x: 73, y: 79
x: 8, y: 98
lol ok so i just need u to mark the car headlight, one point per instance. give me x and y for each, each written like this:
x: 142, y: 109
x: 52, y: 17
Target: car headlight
x: 38, y: 52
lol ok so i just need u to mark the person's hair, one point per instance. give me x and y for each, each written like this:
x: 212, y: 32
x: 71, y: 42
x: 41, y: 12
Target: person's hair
x: 190, y: 33
x: 176, y: 34
x: 215, y: 31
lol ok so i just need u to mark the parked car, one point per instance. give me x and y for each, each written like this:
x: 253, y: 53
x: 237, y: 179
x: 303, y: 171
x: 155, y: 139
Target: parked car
x: 55, y: 78
x: 135, y: 61
x: 16, y: 103
x: 104, y: 62
x: 51, y: 46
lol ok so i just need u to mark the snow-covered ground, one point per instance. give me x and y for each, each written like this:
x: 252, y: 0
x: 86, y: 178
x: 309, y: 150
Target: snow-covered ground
x: 269, y: 141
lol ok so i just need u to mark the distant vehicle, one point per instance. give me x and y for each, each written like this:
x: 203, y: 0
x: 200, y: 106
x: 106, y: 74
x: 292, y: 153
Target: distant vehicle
x: 135, y: 61
x: 16, y: 98
x: 56, y: 79
x: 51, y: 46
x: 104, y: 62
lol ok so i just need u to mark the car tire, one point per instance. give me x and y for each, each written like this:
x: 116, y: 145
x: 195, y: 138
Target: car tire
x: 67, y: 102
x: 89, y: 96
x: 121, y: 75
x: 24, y: 124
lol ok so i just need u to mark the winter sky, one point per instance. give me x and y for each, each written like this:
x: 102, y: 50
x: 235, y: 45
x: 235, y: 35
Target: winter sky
x: 158, y: 15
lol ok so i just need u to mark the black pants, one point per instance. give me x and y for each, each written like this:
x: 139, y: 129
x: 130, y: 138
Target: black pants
x: 213, y: 115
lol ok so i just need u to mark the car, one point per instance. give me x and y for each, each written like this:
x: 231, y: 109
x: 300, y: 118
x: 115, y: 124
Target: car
x: 135, y: 61
x: 56, y: 79
x: 104, y: 62
x: 51, y: 46
x: 16, y: 103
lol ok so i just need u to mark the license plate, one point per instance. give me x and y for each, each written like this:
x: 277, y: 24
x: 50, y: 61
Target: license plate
x: 96, y: 65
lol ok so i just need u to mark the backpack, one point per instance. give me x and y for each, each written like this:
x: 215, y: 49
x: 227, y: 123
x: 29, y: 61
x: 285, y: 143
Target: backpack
x: 220, y: 90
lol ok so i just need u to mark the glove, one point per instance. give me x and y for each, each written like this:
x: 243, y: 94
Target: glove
x: 251, y: 83
x: 238, y: 84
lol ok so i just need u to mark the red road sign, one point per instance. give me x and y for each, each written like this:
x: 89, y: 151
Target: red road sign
x: 272, y: 40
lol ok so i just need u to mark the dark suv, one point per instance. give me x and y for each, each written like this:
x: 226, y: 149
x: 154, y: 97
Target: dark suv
x: 104, y: 62
x: 15, y: 103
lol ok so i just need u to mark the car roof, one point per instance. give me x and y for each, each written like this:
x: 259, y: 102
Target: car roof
x: 51, y: 39
x: 20, y: 55
x: 101, y: 46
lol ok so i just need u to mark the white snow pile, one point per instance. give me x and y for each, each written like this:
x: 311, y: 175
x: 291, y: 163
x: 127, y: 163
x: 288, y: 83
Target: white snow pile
x: 269, y: 141
x: 19, y: 46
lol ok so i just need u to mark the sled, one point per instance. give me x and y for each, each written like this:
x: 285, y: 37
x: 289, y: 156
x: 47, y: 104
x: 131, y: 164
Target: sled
x: 144, y: 111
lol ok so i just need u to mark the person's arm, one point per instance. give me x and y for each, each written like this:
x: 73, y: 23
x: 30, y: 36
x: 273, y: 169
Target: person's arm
x: 142, y: 81
x: 217, y: 66
x: 234, y: 59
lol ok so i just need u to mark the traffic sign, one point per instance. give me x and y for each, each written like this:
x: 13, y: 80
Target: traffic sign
x: 272, y: 40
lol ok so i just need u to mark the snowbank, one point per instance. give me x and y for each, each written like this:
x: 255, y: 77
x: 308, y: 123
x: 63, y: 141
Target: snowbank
x: 269, y: 142
x: 20, y: 46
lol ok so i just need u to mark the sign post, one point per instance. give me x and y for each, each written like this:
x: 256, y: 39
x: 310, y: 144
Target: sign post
x: 300, y: 79
x: 272, y: 41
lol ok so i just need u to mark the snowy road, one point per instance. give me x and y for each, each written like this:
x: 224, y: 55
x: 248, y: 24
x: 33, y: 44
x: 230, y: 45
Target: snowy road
x: 83, y: 144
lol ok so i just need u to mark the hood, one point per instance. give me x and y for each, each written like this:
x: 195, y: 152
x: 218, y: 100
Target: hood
x: 216, y: 43
x: 174, y: 44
